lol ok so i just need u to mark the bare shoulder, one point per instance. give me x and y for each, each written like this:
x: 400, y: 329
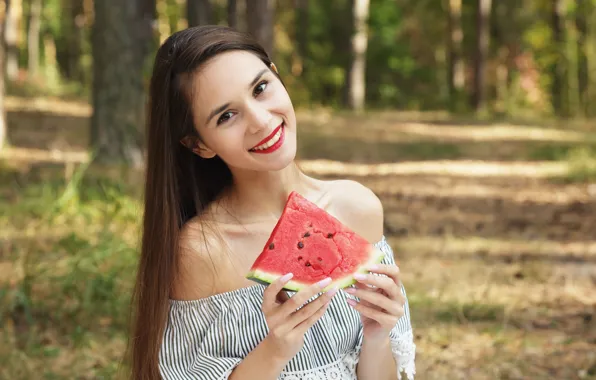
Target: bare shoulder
x: 358, y: 207
x: 198, y: 251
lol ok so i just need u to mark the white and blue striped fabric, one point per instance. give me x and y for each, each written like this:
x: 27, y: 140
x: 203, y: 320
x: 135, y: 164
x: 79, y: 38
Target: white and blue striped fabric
x: 206, y: 339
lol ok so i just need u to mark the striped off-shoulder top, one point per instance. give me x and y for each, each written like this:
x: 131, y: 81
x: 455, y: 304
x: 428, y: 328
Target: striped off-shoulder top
x: 207, y: 338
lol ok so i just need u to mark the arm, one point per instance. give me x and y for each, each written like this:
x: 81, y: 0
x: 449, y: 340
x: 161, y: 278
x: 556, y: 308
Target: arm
x: 386, y: 350
x: 388, y: 356
x: 376, y: 361
x: 253, y: 367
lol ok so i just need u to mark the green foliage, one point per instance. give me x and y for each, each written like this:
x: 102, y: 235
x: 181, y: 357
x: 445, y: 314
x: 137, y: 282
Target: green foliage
x: 328, y: 54
x: 582, y: 164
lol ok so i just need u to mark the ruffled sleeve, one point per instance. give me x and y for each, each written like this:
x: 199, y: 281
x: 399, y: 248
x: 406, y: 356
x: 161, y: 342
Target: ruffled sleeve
x: 206, y: 339
x: 401, y: 336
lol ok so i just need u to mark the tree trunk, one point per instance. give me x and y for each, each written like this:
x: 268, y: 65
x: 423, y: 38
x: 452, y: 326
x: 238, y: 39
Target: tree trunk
x: 559, y: 66
x: 3, y: 128
x: 198, y: 12
x: 482, y: 42
x: 11, y: 31
x: 455, y: 62
x: 591, y: 60
x: 506, y: 37
x: 69, y: 44
x: 582, y: 12
x: 571, y: 58
x: 33, y: 36
x: 357, y: 89
x: 122, y: 35
x: 259, y: 17
x: 301, y: 36
x: 232, y: 14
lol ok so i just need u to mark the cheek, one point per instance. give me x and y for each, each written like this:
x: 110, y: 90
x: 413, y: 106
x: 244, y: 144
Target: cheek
x: 279, y: 98
x: 228, y: 142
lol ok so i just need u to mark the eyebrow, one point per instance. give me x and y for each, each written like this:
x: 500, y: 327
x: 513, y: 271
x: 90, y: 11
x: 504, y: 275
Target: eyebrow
x: 223, y: 107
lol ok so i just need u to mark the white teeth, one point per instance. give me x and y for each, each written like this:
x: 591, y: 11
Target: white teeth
x: 269, y: 143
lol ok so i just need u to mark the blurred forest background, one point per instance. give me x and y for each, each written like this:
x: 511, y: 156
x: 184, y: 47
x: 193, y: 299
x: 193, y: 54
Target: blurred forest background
x: 474, y: 121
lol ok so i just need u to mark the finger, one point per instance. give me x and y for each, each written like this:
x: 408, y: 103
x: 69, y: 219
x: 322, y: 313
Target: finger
x: 271, y: 292
x: 375, y: 298
x: 385, y: 283
x: 386, y: 320
x: 391, y: 271
x: 300, y: 298
x: 366, y: 288
x: 400, y: 299
x: 310, y: 321
x: 307, y: 311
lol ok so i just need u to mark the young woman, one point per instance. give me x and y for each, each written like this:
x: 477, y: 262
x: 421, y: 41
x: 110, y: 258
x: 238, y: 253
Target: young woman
x: 220, y: 166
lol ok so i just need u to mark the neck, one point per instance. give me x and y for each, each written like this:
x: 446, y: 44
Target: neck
x: 261, y: 196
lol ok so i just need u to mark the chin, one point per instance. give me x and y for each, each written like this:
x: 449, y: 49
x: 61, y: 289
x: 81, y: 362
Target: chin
x: 282, y: 161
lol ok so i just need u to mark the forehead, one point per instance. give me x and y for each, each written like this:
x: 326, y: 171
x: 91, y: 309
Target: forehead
x: 226, y: 74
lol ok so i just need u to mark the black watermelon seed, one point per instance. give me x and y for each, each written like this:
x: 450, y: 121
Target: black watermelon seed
x: 271, y: 246
x: 307, y: 234
x: 300, y: 244
x: 307, y: 264
x: 329, y: 235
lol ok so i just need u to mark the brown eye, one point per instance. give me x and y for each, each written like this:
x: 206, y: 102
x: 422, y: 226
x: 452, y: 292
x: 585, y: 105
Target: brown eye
x: 260, y: 88
x: 224, y: 117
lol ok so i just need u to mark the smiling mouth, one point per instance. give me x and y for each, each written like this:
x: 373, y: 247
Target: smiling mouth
x: 270, y: 141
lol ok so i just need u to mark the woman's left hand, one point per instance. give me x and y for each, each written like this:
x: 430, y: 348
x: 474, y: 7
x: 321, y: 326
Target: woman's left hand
x: 381, y: 300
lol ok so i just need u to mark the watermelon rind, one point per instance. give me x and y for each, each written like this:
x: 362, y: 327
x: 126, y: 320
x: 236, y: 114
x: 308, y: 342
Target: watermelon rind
x: 266, y: 278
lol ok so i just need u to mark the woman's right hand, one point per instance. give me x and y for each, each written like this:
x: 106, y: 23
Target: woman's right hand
x: 287, y: 325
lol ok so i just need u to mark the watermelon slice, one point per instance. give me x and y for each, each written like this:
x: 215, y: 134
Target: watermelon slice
x: 312, y: 244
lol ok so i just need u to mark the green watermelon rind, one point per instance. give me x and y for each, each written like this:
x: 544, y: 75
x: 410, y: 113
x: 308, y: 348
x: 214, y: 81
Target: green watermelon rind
x: 265, y: 278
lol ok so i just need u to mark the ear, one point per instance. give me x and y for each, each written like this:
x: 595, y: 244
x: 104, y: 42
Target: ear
x: 197, y: 147
x: 202, y: 150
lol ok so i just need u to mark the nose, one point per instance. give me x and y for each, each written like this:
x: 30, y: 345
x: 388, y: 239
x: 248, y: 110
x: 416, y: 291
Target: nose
x: 259, y: 117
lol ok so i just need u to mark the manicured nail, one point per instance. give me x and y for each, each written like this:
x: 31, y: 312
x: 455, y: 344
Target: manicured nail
x: 359, y: 276
x: 373, y: 267
x: 351, y: 302
x: 324, y: 282
x: 332, y: 292
x: 350, y: 290
x: 286, y: 277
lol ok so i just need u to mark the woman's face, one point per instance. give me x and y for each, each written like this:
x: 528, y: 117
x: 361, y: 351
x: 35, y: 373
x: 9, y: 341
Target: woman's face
x: 243, y: 113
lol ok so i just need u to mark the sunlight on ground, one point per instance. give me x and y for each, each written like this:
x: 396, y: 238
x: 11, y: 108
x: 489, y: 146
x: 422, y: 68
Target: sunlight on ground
x: 464, y: 168
x: 493, y: 248
x: 395, y: 129
x: 48, y: 105
x: 499, y: 132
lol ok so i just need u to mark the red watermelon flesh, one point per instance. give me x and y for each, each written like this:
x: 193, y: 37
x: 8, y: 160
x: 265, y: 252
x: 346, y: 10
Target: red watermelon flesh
x: 312, y: 244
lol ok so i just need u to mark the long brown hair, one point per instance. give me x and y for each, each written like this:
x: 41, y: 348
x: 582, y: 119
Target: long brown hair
x: 179, y: 184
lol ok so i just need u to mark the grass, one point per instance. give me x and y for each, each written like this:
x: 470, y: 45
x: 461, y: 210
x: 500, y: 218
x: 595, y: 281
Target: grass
x: 69, y: 256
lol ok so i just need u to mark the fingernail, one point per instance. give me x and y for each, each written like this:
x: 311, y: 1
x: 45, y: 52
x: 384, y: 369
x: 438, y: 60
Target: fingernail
x: 351, y: 302
x: 350, y: 290
x: 373, y: 267
x: 332, y: 292
x: 286, y: 277
x: 324, y: 282
x: 359, y: 276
